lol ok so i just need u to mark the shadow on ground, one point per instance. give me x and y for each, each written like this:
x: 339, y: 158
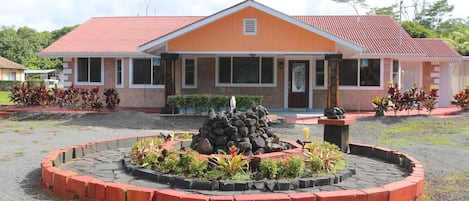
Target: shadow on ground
x: 32, y: 187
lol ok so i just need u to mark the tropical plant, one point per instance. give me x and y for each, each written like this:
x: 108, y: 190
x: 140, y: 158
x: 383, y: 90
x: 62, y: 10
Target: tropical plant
x: 430, y: 100
x: 170, y: 163
x: 112, y: 98
x: 381, y: 105
x: 323, y: 157
x: 192, y: 165
x: 232, y: 164
x: 146, y: 152
x: 462, y: 99
x: 30, y: 95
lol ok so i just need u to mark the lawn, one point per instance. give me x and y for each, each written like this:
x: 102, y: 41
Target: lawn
x: 4, y: 97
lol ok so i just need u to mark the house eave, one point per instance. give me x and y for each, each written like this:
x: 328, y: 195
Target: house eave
x: 251, y: 53
x: 93, y: 54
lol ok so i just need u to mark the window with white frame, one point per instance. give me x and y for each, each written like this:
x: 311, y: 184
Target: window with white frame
x: 119, y: 72
x: 147, y: 72
x: 363, y: 72
x: 189, y: 73
x: 10, y: 75
x: 320, y: 73
x: 396, y: 72
x: 89, y: 70
x: 246, y: 70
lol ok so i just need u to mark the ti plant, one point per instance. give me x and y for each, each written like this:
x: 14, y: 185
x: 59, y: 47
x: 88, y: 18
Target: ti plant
x: 233, y: 164
x: 381, y: 105
x: 145, y: 152
x: 462, y: 99
x: 323, y: 157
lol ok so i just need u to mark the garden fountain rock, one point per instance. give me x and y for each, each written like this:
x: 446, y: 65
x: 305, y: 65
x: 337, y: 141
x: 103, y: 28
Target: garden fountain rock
x: 249, y: 131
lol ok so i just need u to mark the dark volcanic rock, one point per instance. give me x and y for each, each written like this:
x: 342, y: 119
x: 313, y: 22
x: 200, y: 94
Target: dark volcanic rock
x: 249, y: 131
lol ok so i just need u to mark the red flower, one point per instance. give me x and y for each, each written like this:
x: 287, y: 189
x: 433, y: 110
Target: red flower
x: 233, y: 151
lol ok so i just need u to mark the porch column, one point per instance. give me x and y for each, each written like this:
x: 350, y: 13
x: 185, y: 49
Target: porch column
x: 444, y: 86
x: 333, y: 62
x: 168, y: 60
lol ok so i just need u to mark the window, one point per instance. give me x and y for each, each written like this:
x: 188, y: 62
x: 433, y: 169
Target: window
x: 147, y: 72
x: 10, y: 75
x: 370, y: 72
x: 367, y: 74
x: 189, y: 73
x: 250, y: 26
x: 348, y: 72
x: 396, y: 72
x: 119, y: 72
x: 320, y: 73
x: 246, y: 70
x: 89, y: 70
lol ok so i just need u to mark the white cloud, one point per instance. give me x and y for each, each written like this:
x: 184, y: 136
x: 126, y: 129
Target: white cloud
x: 55, y: 14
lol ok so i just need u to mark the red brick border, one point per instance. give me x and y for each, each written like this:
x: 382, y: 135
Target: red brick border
x: 68, y: 185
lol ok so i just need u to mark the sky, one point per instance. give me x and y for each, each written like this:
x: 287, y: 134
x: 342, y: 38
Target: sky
x: 48, y: 15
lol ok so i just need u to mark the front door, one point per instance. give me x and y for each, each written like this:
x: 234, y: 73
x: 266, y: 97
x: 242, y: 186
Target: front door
x: 298, y: 84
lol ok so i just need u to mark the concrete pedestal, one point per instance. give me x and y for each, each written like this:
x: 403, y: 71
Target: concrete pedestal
x: 336, y: 131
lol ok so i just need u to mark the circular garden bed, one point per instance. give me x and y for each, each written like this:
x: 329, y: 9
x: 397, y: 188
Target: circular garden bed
x: 67, y: 184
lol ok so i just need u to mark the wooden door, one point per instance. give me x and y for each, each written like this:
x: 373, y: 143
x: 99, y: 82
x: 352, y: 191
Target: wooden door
x: 298, y: 84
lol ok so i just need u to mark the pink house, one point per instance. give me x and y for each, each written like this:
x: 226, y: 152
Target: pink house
x: 250, y: 48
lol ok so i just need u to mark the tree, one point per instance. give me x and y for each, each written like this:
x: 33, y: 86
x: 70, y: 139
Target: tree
x: 22, y: 45
x: 432, y: 16
x: 416, y: 30
x: 354, y: 3
x: 56, y: 34
x: 459, y: 40
x: 392, y: 11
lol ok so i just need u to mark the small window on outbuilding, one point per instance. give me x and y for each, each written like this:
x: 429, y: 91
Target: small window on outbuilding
x: 250, y: 26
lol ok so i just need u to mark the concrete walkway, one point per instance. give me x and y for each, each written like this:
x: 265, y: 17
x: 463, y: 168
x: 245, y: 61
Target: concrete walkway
x: 312, y: 117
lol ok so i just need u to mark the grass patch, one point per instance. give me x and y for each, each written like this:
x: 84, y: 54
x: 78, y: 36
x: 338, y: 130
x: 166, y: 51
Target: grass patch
x: 4, y: 99
x: 454, y: 183
x: 19, y: 152
x: 44, y: 151
x: 438, y: 132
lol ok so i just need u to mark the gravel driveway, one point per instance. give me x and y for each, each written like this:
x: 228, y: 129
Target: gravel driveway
x: 27, y: 137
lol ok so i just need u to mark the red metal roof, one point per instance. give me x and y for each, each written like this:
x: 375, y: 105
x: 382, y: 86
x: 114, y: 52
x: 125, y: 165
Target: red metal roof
x: 116, y: 34
x: 437, y: 48
x: 123, y: 35
x: 379, y: 34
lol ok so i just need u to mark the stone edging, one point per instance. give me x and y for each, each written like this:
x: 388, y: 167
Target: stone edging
x: 222, y: 185
x: 68, y: 185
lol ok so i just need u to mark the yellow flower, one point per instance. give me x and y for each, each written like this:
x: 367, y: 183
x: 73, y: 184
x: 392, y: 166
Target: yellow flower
x: 306, y: 133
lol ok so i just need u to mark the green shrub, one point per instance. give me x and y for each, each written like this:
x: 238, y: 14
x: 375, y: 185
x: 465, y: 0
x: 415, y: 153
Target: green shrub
x: 294, y: 167
x: 268, y: 168
x: 170, y: 163
x: 6, y: 85
x: 288, y: 168
x: 192, y: 165
x: 218, y: 101
x: 202, y: 102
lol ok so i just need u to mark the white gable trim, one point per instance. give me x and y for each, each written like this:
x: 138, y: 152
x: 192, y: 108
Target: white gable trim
x: 159, y: 42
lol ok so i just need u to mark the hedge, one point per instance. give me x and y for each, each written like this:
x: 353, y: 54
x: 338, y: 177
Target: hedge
x: 6, y: 85
x: 203, y: 102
